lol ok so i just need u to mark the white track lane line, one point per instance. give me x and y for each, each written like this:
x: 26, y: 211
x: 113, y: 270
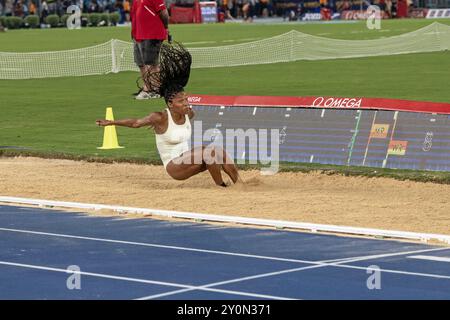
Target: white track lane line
x: 264, y: 275
x: 161, y: 283
x: 153, y: 245
x: 318, y: 264
x: 430, y: 258
x: 417, y: 274
x: 315, y: 264
x: 326, y: 262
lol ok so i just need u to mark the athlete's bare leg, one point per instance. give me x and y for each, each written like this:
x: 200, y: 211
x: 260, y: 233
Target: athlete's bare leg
x: 201, y: 159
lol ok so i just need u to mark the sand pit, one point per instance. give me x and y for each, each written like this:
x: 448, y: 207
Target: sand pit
x: 313, y: 197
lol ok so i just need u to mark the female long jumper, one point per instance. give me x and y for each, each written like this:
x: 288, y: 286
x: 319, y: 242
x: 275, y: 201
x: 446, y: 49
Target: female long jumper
x: 172, y: 126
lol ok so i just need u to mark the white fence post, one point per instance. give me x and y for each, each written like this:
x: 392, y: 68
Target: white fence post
x: 115, y: 69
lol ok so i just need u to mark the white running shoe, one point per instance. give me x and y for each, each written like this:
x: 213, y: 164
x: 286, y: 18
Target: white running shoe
x: 154, y: 96
x: 143, y: 95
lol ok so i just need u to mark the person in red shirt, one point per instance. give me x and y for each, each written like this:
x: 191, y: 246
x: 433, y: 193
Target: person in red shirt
x: 149, y: 28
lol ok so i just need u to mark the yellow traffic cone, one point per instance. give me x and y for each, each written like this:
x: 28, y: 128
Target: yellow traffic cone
x: 110, y: 134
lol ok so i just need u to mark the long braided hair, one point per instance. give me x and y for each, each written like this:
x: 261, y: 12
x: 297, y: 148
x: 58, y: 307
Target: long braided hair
x: 174, y: 71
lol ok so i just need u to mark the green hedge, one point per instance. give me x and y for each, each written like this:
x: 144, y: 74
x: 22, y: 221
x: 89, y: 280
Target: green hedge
x: 114, y: 18
x: 52, y: 20
x: 94, y: 19
x: 3, y: 21
x: 64, y: 18
x: 13, y: 22
x: 32, y: 21
x: 104, y: 18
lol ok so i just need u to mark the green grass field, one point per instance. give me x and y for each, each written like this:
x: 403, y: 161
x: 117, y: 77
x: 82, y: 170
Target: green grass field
x: 56, y: 116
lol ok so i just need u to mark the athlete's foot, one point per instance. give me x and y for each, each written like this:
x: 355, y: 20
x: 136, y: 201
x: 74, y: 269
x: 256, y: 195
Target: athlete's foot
x: 236, y: 178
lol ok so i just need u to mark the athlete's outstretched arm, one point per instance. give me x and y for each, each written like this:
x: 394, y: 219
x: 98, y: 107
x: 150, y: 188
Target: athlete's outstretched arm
x: 150, y: 120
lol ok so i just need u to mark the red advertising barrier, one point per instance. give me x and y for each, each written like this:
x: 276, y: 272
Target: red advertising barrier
x: 181, y: 14
x: 418, y: 13
x: 360, y: 15
x: 323, y: 103
x: 205, y: 11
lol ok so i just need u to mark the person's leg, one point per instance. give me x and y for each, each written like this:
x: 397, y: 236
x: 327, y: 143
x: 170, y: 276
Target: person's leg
x: 201, y: 159
x: 220, y: 156
x: 139, y: 60
x: 144, y: 60
x: 191, y: 163
x: 230, y: 168
x: 150, y: 55
x: 145, y: 70
x: 215, y: 155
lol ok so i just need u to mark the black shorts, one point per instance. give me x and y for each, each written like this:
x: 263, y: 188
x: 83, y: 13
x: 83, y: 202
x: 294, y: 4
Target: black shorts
x: 146, y: 52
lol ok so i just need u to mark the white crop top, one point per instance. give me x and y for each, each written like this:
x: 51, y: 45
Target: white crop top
x: 175, y: 141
